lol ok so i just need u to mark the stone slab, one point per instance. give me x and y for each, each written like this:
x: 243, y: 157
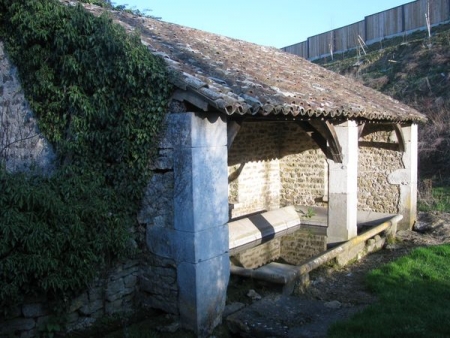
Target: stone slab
x: 200, y: 188
x: 256, y: 227
x: 277, y: 273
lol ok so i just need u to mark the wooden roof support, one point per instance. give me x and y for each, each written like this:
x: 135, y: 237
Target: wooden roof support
x: 233, y: 127
x: 398, y: 146
x: 323, y: 133
x: 400, y: 138
x: 361, y: 129
x: 191, y: 97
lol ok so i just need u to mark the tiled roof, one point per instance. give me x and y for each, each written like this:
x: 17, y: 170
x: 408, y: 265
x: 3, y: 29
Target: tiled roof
x: 238, y: 77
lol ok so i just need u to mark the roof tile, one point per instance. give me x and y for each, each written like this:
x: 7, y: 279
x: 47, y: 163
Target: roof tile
x: 238, y: 77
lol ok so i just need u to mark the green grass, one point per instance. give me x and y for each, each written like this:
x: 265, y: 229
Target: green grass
x: 438, y: 201
x: 414, y: 298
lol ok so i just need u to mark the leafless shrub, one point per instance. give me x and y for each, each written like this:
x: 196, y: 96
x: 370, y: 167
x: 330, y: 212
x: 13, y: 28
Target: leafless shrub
x: 434, y: 141
x: 377, y: 83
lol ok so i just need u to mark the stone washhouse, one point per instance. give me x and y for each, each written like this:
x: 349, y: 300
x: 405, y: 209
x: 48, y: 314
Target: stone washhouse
x: 253, y: 138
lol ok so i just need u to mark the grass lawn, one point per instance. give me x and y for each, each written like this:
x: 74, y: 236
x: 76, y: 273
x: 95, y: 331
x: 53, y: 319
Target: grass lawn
x: 414, y: 298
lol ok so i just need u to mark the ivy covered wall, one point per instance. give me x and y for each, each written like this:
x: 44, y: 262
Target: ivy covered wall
x: 99, y: 98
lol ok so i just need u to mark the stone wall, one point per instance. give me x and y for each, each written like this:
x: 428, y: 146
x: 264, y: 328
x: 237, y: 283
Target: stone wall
x: 108, y: 295
x: 158, y: 284
x: 149, y: 282
x: 301, y: 245
x: 374, y: 166
x: 303, y: 169
x: 257, y: 188
x: 22, y: 148
x: 294, y: 249
x: 280, y: 165
x: 258, y: 255
x: 158, y: 281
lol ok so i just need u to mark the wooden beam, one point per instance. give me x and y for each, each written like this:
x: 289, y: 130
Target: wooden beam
x: 381, y: 145
x: 233, y: 127
x: 361, y: 129
x: 327, y: 133
x: 400, y: 137
x: 192, y: 98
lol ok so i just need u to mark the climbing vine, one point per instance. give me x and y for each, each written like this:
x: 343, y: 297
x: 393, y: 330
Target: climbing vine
x: 100, y: 98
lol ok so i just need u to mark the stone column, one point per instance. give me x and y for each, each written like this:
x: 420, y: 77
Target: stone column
x: 407, y: 179
x: 200, y: 219
x: 342, y: 186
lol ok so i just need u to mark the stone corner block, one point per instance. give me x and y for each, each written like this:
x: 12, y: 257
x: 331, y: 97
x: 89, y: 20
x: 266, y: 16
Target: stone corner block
x: 195, y: 247
x: 194, y: 130
x: 202, y: 293
x: 200, y: 188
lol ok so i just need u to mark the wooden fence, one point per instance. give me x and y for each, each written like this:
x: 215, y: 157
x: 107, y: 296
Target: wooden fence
x: 396, y: 21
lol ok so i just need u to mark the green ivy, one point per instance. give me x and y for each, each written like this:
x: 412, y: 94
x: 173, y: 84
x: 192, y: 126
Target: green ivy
x: 100, y: 98
x: 55, y: 232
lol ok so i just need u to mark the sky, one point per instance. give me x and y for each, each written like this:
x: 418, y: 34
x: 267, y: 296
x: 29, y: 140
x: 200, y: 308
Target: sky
x: 276, y: 23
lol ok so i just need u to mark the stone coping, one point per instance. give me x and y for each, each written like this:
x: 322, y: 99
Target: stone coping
x: 286, y: 274
x: 255, y: 229
x: 252, y: 230
x: 320, y: 217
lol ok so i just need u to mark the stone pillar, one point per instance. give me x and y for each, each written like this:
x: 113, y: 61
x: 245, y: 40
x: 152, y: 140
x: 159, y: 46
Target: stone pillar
x: 407, y: 179
x: 342, y: 186
x: 200, y: 219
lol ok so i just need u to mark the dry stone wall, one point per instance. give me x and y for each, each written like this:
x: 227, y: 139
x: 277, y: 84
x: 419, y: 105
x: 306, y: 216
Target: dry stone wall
x: 158, y: 284
x: 158, y: 281
x: 301, y: 245
x: 259, y: 255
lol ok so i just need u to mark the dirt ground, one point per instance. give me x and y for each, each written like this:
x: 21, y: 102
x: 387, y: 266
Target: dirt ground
x: 333, y: 294
x: 346, y: 284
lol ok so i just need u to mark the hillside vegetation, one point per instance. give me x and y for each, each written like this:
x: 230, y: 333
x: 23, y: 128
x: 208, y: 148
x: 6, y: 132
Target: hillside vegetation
x: 414, y: 69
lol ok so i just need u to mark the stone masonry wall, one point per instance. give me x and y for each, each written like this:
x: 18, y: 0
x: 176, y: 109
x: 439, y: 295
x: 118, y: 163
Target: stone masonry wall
x: 22, y: 148
x: 374, y: 166
x: 301, y: 245
x: 281, y: 165
x: 257, y: 188
x: 149, y: 281
x: 158, y: 281
x: 294, y: 248
x: 303, y: 167
x: 158, y: 287
x: 259, y: 255
x: 111, y: 294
